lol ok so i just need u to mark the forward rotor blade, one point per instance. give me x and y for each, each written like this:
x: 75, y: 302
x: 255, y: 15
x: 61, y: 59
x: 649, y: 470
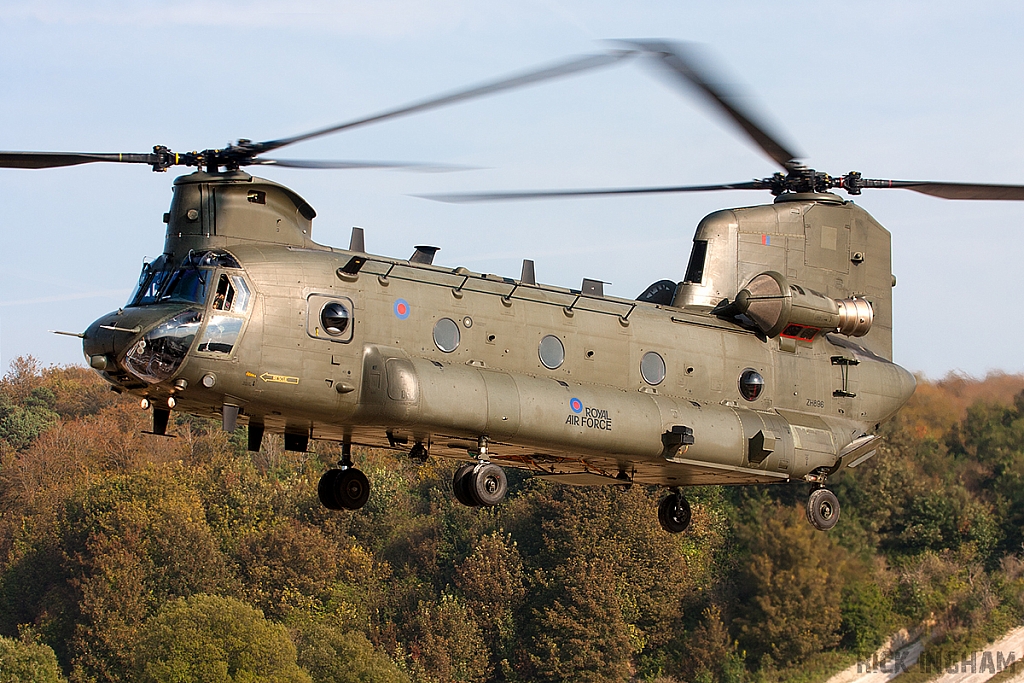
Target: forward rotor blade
x: 57, y: 159
x: 470, y: 197
x: 953, y: 190
x: 327, y: 164
x: 575, y: 65
x: 686, y: 63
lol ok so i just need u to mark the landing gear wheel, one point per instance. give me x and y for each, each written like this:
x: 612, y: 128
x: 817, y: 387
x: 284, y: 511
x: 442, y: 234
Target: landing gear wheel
x: 352, y: 489
x: 327, y: 489
x: 822, y: 509
x: 486, y: 484
x: 674, y: 513
x: 459, y: 482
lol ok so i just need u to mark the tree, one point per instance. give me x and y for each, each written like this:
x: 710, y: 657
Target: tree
x: 288, y: 567
x: 577, y: 631
x: 215, y: 640
x: 129, y: 543
x: 491, y: 579
x: 27, y: 660
x: 448, y: 647
x: 20, y: 425
x: 867, y: 616
x: 711, y: 653
x: 335, y: 655
x: 789, y: 589
x: 992, y: 437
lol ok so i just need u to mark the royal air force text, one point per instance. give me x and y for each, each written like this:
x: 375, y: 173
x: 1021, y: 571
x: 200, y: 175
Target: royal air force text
x: 591, y: 418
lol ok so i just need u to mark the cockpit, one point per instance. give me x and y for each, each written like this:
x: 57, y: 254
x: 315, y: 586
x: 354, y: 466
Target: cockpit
x: 160, y: 282
x: 216, y: 299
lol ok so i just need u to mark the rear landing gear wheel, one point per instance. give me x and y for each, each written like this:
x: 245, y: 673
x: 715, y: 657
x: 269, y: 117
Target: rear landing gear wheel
x: 459, y: 482
x: 822, y: 509
x: 674, y: 513
x: 346, y: 489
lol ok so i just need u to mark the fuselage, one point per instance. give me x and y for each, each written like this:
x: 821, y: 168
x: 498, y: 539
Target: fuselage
x: 442, y: 356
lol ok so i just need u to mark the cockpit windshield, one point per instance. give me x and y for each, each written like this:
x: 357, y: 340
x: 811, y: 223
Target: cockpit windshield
x: 151, y: 280
x: 189, y: 283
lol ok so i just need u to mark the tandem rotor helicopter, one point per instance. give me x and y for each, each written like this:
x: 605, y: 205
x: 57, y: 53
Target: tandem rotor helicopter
x: 768, y: 362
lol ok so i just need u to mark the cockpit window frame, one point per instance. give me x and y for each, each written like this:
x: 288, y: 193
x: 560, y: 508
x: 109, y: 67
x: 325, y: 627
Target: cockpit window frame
x: 231, y: 322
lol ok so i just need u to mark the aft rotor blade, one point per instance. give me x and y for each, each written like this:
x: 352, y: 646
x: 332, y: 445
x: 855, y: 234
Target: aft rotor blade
x: 57, y: 159
x: 470, y: 197
x: 575, y: 65
x: 953, y: 190
x: 685, y: 62
x: 327, y: 164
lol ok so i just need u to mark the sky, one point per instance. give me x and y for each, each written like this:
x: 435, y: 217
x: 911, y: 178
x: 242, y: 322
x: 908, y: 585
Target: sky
x: 906, y: 90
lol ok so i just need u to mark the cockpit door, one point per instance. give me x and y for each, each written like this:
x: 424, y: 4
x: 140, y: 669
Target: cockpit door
x: 229, y: 310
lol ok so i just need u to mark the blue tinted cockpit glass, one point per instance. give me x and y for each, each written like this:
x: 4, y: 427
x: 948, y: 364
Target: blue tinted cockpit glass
x: 159, y: 282
x: 186, y: 285
x: 153, y: 277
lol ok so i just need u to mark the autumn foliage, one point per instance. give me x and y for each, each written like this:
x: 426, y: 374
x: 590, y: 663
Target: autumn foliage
x: 130, y: 557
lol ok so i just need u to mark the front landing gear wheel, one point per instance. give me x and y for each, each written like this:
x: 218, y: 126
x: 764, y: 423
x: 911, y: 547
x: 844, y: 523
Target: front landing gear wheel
x: 479, y: 484
x: 486, y: 484
x: 822, y: 509
x: 326, y: 490
x: 459, y: 481
x: 353, y: 489
x: 674, y: 513
x: 346, y: 489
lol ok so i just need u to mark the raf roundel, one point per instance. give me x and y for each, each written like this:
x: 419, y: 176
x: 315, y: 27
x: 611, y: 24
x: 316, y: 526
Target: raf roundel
x: 402, y: 309
x: 576, y: 405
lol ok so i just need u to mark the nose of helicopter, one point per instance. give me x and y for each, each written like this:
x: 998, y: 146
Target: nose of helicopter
x: 107, y: 337
x: 148, y: 342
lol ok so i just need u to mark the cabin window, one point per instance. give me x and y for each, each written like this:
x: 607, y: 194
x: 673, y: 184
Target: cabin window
x: 551, y: 352
x: 695, y: 270
x: 446, y: 335
x: 335, y: 317
x: 751, y: 384
x: 652, y: 368
x: 331, y: 318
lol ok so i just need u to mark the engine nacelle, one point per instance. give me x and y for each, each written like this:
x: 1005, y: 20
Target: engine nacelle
x: 774, y: 305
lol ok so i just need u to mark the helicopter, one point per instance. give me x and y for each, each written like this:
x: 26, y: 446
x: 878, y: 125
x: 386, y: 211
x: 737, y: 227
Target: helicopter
x: 770, y: 361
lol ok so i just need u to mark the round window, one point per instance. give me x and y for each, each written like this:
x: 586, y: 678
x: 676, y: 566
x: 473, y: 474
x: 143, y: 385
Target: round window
x: 751, y: 384
x: 551, y: 352
x: 652, y: 368
x: 335, y: 318
x: 446, y: 335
